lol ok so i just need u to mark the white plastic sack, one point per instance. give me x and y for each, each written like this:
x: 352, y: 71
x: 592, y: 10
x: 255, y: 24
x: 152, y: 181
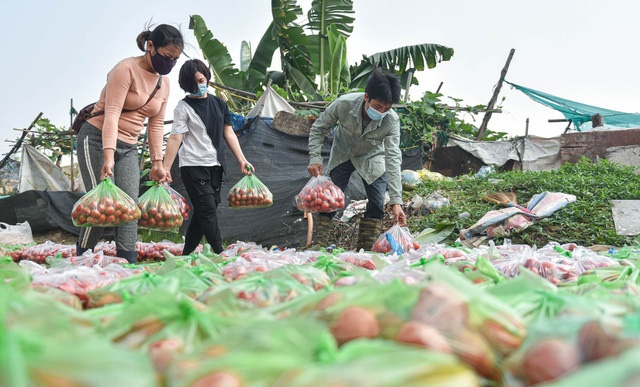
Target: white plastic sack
x: 37, y: 172
x: 269, y: 104
x: 18, y: 234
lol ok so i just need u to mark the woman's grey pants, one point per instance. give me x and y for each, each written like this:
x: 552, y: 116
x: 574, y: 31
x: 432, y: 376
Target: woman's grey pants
x: 126, y: 175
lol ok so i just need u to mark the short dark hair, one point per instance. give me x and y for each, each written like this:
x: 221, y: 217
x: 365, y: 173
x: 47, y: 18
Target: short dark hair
x: 383, y: 86
x: 187, y: 77
x: 161, y: 36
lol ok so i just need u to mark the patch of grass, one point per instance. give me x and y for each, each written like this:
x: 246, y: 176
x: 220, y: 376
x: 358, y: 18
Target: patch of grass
x: 145, y: 235
x: 587, y: 222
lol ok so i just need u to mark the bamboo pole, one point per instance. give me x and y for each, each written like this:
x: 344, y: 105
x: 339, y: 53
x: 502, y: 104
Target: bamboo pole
x: 494, y: 97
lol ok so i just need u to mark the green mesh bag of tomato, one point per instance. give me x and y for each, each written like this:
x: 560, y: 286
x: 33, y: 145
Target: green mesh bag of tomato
x: 249, y: 192
x: 320, y: 195
x: 158, y: 210
x: 396, y: 239
x: 180, y: 200
x: 105, y: 205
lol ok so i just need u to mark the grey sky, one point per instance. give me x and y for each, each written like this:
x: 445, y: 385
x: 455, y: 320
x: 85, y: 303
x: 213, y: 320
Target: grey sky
x: 583, y: 50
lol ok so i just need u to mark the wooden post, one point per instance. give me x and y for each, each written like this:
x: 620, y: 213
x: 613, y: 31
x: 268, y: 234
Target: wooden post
x: 494, y: 98
x: 526, y: 128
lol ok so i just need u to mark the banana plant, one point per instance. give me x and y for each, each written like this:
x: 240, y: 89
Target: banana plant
x: 314, y: 51
x: 323, y: 16
x: 283, y: 34
x: 402, y: 60
x: 292, y: 43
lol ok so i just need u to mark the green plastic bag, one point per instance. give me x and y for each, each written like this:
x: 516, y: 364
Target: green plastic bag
x: 44, y: 344
x: 105, y: 205
x: 158, y: 210
x: 249, y: 192
x: 381, y: 363
x: 255, y: 352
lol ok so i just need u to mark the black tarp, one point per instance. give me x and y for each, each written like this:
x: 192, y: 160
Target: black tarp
x: 281, y: 162
x: 44, y: 210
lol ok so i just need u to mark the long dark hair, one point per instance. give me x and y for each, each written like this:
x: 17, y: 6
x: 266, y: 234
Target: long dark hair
x: 161, y: 36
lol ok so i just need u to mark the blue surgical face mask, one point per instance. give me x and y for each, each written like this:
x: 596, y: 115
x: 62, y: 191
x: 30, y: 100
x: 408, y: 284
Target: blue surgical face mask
x: 375, y: 115
x: 202, y: 89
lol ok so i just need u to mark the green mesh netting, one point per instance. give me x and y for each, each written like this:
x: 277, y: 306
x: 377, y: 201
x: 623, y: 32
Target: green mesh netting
x: 580, y: 114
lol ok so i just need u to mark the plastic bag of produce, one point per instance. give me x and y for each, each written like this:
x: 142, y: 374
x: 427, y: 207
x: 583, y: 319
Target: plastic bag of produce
x: 32, y: 357
x: 307, y: 275
x: 261, y: 290
x: 320, y: 195
x: 15, y: 234
x: 105, y: 205
x: 149, y: 321
x: 557, y: 347
x: 617, y: 371
x: 39, y: 253
x: 12, y: 275
x: 249, y: 192
x: 180, y: 200
x: 535, y: 298
x: 88, y: 258
x: 78, y: 280
x: 158, y: 210
x: 396, y: 239
x: 379, y: 363
x: 255, y: 353
x: 333, y: 267
x: 130, y: 287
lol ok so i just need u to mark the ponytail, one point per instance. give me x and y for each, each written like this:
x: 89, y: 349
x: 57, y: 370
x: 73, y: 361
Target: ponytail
x: 142, y: 39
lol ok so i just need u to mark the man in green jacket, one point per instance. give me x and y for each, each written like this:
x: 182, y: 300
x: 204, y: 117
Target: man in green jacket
x: 366, y: 140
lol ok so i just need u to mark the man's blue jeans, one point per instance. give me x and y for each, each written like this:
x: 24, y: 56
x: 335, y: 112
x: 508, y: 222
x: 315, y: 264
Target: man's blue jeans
x: 375, y: 191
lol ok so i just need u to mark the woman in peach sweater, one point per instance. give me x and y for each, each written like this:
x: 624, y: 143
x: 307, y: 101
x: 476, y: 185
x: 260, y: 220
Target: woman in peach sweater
x: 107, y: 143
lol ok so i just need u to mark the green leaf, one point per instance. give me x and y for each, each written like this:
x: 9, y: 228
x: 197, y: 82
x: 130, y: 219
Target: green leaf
x: 264, y: 54
x: 292, y: 42
x: 339, y: 70
x: 399, y: 60
x: 435, y: 235
x: 322, y: 15
x: 223, y: 68
x: 245, y: 55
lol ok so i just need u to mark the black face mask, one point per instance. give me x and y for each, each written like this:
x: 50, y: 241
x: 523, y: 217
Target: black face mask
x: 162, y: 64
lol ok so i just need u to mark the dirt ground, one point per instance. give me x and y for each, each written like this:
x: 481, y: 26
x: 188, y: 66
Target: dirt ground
x: 57, y: 236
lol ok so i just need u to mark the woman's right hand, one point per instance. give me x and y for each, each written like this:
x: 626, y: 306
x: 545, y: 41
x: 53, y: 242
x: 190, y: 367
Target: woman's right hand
x: 315, y: 170
x: 107, y: 169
